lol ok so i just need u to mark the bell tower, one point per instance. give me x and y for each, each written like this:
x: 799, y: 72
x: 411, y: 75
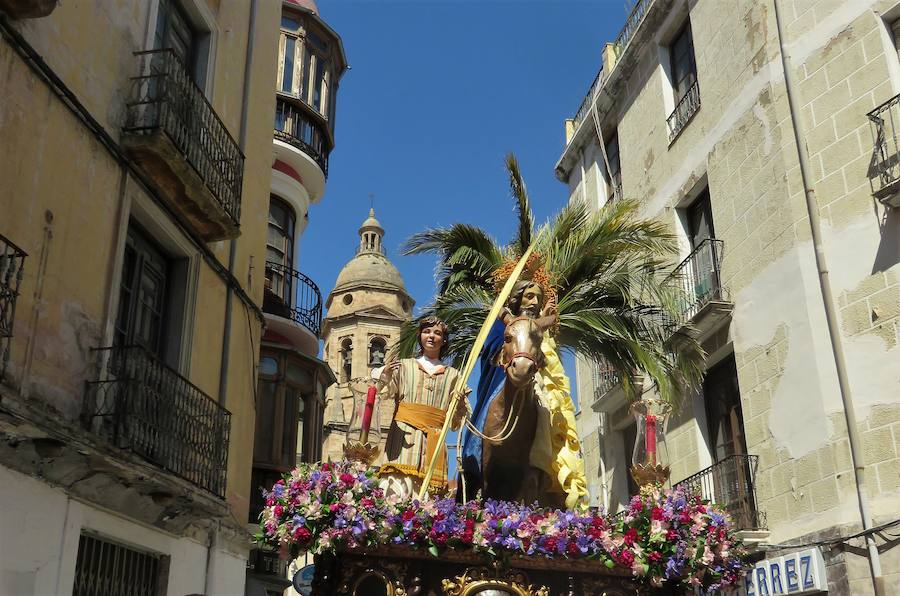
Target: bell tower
x: 366, y: 309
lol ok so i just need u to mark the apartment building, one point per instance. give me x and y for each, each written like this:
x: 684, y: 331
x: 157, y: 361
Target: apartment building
x: 788, y: 264
x: 137, y: 141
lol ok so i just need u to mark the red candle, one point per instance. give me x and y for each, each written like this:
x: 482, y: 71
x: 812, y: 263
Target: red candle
x: 650, y: 435
x: 367, y: 415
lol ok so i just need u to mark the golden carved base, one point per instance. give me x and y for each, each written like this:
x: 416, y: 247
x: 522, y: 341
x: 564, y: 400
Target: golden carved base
x: 362, y: 452
x: 649, y: 474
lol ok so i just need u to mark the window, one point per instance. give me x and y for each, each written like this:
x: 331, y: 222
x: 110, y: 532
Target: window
x: 723, y: 410
x: 280, y: 249
x: 305, y: 65
x: 346, y: 360
x: 614, y: 176
x: 377, y: 352
x: 684, y: 68
x: 285, y: 398
x: 700, y: 222
x: 629, y: 436
x: 143, y: 294
x: 110, y: 569
x: 174, y: 30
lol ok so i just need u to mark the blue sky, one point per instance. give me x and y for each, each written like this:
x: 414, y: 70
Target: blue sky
x: 437, y: 94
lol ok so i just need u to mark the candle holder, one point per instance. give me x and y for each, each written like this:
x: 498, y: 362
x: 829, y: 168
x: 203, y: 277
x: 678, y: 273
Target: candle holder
x: 651, y: 417
x: 364, y: 432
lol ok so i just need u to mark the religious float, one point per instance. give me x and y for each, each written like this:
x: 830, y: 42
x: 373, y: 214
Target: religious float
x: 517, y: 525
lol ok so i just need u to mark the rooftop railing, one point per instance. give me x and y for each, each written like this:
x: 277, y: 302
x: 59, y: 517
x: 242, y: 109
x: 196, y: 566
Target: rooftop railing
x: 685, y: 109
x: 294, y: 296
x: 294, y: 126
x: 699, y: 278
x: 165, y: 98
x: 731, y: 483
x: 139, y: 403
x: 632, y: 22
x: 12, y: 261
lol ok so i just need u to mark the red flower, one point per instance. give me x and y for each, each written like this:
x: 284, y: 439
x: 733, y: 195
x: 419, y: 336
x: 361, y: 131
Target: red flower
x: 367, y: 502
x: 467, y: 536
x: 598, y: 522
x: 657, y: 514
x: 408, y: 515
x: 550, y: 545
x: 301, y: 534
x: 347, y: 479
x: 278, y: 510
x: 671, y: 534
x: 655, y: 556
x: 626, y: 557
x: 572, y: 548
x: 631, y: 536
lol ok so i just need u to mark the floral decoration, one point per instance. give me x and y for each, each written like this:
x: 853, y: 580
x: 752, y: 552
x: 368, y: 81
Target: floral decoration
x: 665, y: 535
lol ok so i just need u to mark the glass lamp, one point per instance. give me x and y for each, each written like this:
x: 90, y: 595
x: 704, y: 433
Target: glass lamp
x: 651, y: 417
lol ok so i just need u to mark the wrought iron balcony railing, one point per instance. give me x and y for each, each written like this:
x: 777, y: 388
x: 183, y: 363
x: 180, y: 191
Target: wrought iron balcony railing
x: 884, y: 167
x: 139, y: 403
x: 12, y: 261
x: 166, y: 99
x: 605, y: 379
x: 294, y: 126
x: 684, y: 110
x: 699, y: 278
x: 292, y: 295
x: 622, y: 39
x: 731, y: 483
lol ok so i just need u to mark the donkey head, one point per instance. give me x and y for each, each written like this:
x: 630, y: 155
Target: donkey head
x: 521, y: 355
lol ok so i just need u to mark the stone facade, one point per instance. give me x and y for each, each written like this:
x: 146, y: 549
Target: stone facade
x: 128, y: 446
x: 366, y: 310
x: 737, y: 144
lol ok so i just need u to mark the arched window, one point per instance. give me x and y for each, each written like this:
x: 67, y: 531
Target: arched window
x: 377, y: 352
x: 280, y: 249
x: 346, y: 360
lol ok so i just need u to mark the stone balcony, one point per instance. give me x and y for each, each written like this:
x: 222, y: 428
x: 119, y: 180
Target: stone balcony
x: 186, y: 152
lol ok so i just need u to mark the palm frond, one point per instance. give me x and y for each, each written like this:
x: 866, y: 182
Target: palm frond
x: 523, y: 206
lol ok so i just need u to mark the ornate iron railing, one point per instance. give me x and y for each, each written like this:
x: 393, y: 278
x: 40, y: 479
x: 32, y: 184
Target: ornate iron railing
x: 605, y: 378
x: 631, y: 25
x: 684, y: 110
x: 884, y: 168
x: 699, y: 278
x: 294, y: 126
x: 12, y: 262
x: 139, y: 403
x: 731, y: 483
x: 292, y: 295
x: 164, y: 97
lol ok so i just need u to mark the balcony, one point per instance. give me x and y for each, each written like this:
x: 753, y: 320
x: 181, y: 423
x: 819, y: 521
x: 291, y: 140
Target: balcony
x: 27, y: 9
x: 187, y: 153
x: 296, y: 127
x: 731, y: 484
x: 609, y: 393
x: 139, y: 403
x: 12, y: 261
x: 884, y: 167
x: 684, y: 111
x: 293, y: 298
x: 705, y: 302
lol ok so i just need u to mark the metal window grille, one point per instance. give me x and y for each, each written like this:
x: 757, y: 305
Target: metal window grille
x: 731, y: 483
x: 299, y: 299
x: 685, y: 109
x: 12, y: 260
x: 164, y: 97
x: 105, y: 568
x: 699, y: 277
x: 141, y: 404
x: 884, y: 167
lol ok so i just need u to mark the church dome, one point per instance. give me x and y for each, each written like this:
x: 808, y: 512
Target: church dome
x: 370, y: 269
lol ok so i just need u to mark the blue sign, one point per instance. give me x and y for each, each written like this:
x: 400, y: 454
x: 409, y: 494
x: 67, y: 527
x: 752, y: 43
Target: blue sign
x: 303, y: 580
x: 802, y: 572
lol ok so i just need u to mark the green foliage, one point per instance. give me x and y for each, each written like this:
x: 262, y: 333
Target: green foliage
x: 613, y: 302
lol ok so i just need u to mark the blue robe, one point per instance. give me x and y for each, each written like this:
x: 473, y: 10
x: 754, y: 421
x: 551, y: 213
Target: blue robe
x: 490, y: 384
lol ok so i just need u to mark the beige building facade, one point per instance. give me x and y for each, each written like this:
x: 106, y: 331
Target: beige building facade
x: 698, y: 121
x: 138, y: 161
x: 366, y: 310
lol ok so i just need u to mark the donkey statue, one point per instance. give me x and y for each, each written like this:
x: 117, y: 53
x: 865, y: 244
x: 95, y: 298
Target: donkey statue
x: 512, y: 418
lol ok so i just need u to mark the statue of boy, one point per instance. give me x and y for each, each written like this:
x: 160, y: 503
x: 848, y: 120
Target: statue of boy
x: 422, y: 389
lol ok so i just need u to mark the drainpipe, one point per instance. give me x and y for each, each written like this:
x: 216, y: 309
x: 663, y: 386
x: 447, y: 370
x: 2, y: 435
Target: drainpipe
x: 232, y: 244
x: 834, y: 332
